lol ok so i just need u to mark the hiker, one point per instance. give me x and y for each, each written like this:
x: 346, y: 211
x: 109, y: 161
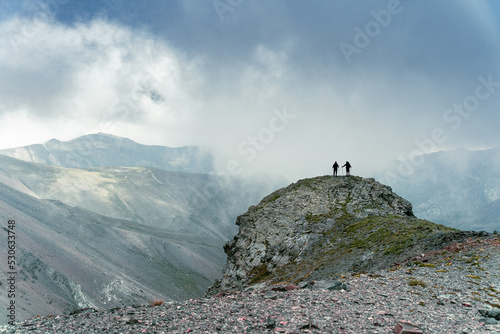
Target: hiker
x: 335, y: 168
x: 347, y: 168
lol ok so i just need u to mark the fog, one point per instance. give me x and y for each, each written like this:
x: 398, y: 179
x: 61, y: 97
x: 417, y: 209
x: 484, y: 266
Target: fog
x: 284, y: 88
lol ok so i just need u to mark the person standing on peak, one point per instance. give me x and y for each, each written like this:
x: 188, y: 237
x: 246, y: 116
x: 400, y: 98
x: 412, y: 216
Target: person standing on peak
x: 347, y: 168
x: 335, y: 168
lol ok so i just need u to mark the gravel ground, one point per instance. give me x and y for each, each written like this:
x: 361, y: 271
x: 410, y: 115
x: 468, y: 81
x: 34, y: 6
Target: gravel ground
x: 456, y: 292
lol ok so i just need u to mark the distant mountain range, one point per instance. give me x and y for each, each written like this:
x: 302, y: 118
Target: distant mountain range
x: 102, y: 221
x: 104, y: 150
x: 457, y: 188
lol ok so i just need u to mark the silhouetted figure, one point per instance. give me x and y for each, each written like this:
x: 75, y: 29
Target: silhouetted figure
x: 335, y: 168
x: 347, y: 168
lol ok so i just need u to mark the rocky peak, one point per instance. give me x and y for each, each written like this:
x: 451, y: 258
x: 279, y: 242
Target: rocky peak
x: 353, y: 195
x: 321, y: 227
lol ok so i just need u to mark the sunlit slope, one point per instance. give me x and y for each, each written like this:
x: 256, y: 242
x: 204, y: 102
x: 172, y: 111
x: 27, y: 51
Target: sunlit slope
x: 70, y: 258
x: 180, y: 202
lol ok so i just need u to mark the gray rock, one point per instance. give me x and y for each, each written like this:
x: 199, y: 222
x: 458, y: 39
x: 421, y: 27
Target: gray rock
x: 488, y: 321
x: 495, y: 314
x: 271, y: 323
x: 404, y: 327
x: 270, y: 295
x: 287, y: 225
x: 328, y: 285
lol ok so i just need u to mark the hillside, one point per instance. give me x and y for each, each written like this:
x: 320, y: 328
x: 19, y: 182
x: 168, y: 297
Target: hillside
x: 113, y: 236
x: 486, y: 217
x: 174, y: 201
x: 69, y: 258
x: 450, y: 296
x: 450, y: 187
x: 326, y: 226
x: 104, y: 150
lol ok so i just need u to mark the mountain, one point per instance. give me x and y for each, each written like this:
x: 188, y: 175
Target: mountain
x: 486, y: 217
x: 71, y: 258
x: 452, y: 188
x: 104, y: 150
x: 318, y: 256
x: 111, y: 236
x: 326, y: 226
x: 174, y: 200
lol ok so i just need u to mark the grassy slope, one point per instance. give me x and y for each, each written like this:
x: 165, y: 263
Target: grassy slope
x: 354, y: 246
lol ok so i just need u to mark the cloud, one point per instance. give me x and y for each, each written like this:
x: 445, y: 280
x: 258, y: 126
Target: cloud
x: 172, y: 73
x: 96, y: 73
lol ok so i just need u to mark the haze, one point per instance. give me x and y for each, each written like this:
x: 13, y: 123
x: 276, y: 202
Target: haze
x: 283, y: 87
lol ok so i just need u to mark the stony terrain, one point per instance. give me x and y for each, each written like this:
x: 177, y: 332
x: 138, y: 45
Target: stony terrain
x: 455, y: 290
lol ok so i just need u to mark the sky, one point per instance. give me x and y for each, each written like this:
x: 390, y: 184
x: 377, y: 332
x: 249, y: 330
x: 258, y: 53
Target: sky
x: 282, y: 87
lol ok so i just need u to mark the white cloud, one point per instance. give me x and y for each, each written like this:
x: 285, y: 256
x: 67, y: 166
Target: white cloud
x: 94, y: 74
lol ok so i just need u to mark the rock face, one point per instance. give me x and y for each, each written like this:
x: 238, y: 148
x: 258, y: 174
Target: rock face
x: 322, y: 227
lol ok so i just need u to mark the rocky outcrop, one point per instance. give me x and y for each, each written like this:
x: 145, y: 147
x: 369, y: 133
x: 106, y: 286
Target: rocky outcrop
x: 321, y: 227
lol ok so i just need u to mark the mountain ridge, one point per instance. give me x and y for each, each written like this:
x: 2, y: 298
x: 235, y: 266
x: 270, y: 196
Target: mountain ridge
x: 116, y: 224
x: 117, y: 192
x: 105, y: 150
